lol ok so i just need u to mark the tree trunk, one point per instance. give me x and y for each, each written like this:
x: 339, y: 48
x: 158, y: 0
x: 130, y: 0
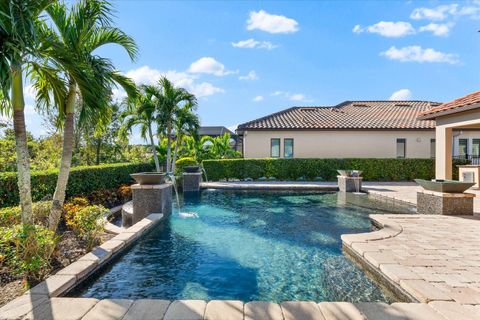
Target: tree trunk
x: 23, y: 159
x: 97, y: 151
x: 62, y: 180
x: 169, y: 147
x: 175, y: 151
x: 154, y: 150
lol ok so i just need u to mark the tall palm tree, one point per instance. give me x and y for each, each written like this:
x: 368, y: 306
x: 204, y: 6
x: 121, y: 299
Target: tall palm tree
x: 81, y: 30
x: 170, y: 99
x: 142, y: 112
x: 20, y: 45
x: 186, y: 123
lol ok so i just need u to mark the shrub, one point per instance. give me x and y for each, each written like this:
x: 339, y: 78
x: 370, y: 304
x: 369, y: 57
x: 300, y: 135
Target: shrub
x: 181, y: 163
x: 27, y: 250
x: 125, y: 192
x: 324, y: 169
x: 88, y: 223
x: 12, y: 215
x: 82, y: 181
x: 72, y: 207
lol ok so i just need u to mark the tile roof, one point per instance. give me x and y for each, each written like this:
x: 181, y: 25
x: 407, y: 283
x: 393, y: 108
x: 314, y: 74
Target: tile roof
x: 213, y: 131
x: 468, y: 100
x: 348, y: 115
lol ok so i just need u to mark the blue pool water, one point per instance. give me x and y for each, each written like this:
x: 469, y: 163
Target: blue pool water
x: 248, y: 245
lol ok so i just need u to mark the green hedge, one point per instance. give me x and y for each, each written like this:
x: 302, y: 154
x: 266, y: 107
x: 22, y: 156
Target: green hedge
x: 82, y: 181
x: 322, y: 169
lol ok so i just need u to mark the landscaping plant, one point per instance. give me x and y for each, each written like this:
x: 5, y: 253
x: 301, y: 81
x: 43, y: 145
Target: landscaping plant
x: 88, y: 222
x: 27, y: 250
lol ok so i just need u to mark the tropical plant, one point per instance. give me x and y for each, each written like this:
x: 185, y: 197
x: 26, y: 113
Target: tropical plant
x: 170, y: 99
x: 21, y: 48
x: 81, y: 30
x: 27, y: 250
x: 141, y: 111
x: 89, y: 222
x: 221, y: 147
x: 186, y: 123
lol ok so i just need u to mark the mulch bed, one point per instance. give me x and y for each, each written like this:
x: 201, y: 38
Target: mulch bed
x: 69, y: 249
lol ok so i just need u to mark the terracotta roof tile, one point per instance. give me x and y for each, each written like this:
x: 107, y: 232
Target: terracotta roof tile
x: 348, y: 115
x: 467, y: 100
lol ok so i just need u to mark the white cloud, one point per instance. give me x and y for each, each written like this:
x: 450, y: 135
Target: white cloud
x: 297, y: 97
x: 209, y: 65
x: 29, y: 92
x: 254, y: 44
x: 402, y: 94
x: 441, y: 30
x: 387, y: 29
x: 258, y: 99
x: 147, y: 75
x: 292, y: 96
x: 271, y: 23
x: 443, y: 12
x: 205, y: 89
x: 419, y: 54
x: 252, y: 75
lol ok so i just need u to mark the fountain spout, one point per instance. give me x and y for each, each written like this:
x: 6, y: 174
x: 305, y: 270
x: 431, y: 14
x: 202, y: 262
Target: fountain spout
x: 171, y: 176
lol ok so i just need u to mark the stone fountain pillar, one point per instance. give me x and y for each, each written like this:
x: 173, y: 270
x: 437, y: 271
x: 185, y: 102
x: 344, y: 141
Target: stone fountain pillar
x: 349, y: 180
x: 191, y: 181
x: 147, y: 199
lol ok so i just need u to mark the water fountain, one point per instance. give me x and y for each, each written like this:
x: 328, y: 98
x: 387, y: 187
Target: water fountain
x: 171, y: 176
x: 350, y: 181
x: 205, y: 173
x: 151, y: 194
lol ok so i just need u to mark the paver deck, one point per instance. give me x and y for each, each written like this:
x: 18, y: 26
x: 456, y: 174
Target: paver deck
x: 151, y: 309
x: 432, y: 258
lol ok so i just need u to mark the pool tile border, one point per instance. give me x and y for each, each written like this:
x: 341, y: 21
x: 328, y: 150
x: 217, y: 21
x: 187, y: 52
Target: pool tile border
x: 72, y: 275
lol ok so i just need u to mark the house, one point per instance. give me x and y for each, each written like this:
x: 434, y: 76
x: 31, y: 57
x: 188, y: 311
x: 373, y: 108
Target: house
x: 217, y: 131
x: 459, y: 115
x: 351, y: 129
x: 214, y: 131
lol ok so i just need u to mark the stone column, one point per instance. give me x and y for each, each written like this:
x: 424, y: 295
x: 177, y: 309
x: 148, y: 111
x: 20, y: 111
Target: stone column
x: 191, y: 181
x: 443, y: 152
x: 149, y: 199
x: 349, y: 184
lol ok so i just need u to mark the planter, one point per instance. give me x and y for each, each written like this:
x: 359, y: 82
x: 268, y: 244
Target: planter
x: 147, y: 178
x: 350, y: 173
x: 445, y: 186
x: 191, y: 169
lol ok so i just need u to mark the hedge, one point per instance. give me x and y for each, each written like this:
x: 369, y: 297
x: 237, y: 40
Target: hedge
x: 322, y: 169
x: 82, y: 181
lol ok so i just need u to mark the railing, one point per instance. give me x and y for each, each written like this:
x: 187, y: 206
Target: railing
x: 473, y: 159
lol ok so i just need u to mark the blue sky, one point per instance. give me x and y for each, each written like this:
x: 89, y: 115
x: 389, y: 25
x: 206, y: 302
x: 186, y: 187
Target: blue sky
x: 247, y: 59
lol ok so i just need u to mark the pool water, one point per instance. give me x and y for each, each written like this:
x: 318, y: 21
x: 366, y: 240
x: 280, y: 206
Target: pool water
x: 248, y: 245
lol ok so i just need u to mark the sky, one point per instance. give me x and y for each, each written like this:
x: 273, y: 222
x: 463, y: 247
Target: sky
x: 244, y: 60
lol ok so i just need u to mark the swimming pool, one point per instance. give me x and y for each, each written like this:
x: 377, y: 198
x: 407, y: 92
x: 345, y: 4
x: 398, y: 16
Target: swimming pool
x: 248, y: 245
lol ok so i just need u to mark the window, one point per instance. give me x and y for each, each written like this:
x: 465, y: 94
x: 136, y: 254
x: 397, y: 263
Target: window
x: 288, y: 148
x: 462, y: 147
x: 476, y: 148
x: 401, y: 148
x: 432, y: 148
x: 275, y: 148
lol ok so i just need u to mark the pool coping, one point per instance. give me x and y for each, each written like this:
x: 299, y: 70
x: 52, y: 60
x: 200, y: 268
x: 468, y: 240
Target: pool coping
x: 68, y: 278
x: 387, y: 229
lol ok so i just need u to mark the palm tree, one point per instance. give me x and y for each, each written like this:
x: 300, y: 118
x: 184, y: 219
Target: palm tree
x: 186, y: 123
x: 20, y: 46
x: 141, y: 112
x: 221, y: 147
x: 81, y: 30
x: 170, y: 99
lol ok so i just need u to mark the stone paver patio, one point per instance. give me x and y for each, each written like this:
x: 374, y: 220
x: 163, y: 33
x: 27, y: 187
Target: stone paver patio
x: 151, y: 309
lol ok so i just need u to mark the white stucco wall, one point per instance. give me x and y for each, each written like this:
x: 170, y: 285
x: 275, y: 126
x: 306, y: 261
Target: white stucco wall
x: 340, y: 143
x: 349, y: 144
